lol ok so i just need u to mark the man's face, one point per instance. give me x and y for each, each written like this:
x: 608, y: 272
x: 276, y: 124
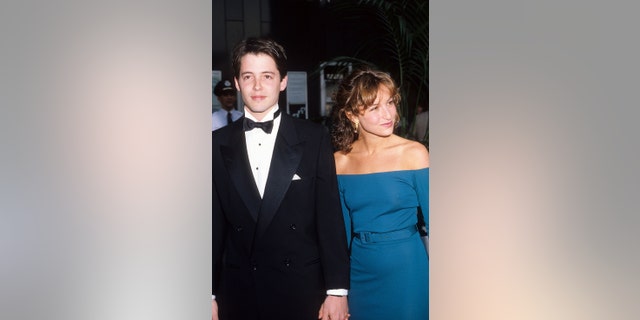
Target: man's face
x: 227, y: 99
x: 259, y: 83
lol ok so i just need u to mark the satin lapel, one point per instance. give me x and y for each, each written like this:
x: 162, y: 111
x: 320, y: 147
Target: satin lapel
x: 237, y: 163
x: 286, y: 158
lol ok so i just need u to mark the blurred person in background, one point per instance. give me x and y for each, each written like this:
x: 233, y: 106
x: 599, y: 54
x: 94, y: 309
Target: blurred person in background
x: 226, y: 93
x: 420, y: 127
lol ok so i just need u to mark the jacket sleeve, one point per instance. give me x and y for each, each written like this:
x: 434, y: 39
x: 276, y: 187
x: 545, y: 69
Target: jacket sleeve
x: 218, y: 236
x: 334, y: 253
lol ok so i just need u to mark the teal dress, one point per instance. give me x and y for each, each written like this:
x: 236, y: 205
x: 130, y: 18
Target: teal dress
x: 389, y: 265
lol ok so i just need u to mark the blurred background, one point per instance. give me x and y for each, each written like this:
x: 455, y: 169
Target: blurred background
x: 325, y: 39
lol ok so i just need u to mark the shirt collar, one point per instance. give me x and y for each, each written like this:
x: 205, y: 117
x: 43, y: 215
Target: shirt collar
x: 267, y: 117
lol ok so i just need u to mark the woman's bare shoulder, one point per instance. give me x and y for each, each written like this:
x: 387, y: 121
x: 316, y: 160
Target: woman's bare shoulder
x: 341, y: 160
x: 415, y: 155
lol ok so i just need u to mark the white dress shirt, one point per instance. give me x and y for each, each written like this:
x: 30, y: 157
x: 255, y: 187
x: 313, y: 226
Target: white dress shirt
x: 260, y: 148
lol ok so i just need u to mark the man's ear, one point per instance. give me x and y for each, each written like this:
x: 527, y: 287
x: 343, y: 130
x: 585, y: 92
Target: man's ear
x: 283, y: 83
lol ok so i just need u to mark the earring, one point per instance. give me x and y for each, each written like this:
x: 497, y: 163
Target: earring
x: 355, y: 129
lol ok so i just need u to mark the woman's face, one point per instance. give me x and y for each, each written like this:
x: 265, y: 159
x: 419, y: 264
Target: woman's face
x: 379, y: 118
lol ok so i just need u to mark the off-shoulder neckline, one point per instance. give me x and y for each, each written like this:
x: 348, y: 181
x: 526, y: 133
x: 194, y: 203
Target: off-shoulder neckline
x: 381, y: 172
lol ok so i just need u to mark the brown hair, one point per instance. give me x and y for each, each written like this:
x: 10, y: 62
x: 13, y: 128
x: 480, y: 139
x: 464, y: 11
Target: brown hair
x: 259, y: 46
x: 357, y: 91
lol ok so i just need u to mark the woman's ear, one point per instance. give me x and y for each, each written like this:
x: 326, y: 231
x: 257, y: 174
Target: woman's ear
x: 351, y: 116
x: 354, y: 120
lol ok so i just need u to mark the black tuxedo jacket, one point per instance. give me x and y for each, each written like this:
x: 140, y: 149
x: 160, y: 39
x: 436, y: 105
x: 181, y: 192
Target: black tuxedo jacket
x: 274, y: 258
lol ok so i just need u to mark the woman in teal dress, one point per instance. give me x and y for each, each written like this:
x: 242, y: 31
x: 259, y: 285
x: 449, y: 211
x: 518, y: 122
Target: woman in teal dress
x: 383, y: 179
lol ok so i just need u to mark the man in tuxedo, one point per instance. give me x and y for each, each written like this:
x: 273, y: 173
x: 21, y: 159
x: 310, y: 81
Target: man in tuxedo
x: 279, y: 249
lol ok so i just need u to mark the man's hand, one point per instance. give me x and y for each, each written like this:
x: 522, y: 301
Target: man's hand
x: 214, y: 310
x: 334, y: 308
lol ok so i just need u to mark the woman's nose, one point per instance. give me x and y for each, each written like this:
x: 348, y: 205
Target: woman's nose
x: 387, y: 112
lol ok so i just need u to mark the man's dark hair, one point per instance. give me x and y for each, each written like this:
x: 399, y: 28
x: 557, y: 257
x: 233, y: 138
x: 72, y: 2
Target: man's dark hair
x: 259, y: 46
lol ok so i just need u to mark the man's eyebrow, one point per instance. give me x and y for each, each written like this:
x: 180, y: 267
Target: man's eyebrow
x: 262, y: 72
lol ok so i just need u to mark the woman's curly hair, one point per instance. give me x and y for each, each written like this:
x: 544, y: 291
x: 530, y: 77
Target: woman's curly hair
x: 357, y: 91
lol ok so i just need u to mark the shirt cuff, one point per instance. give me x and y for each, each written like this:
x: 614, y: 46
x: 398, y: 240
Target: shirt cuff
x: 213, y: 297
x: 337, y: 292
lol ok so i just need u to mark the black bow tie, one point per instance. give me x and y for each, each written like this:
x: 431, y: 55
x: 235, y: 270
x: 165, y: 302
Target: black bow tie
x: 266, y: 126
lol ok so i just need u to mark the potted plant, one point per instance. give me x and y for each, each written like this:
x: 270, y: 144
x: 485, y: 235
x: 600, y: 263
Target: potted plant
x: 398, y: 43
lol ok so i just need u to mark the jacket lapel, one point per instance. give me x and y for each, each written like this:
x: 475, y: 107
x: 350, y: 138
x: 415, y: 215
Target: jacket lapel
x: 286, y: 158
x: 237, y: 163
